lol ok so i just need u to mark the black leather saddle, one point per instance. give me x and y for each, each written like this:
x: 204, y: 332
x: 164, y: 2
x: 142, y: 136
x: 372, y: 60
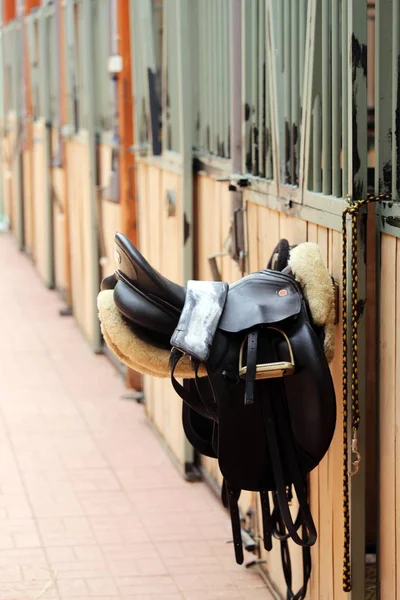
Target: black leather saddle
x: 266, y: 409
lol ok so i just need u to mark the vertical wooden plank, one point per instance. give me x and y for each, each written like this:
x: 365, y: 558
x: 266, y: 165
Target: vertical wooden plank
x: 208, y: 234
x: 387, y: 487
x: 268, y: 234
x: 325, y: 482
x: 371, y: 379
x: 312, y: 232
x: 252, y: 236
x: 323, y: 243
x: 336, y: 450
x: 292, y: 229
x: 312, y: 236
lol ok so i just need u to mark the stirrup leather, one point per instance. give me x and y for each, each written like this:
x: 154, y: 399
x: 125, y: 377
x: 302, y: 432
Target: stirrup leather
x: 269, y: 370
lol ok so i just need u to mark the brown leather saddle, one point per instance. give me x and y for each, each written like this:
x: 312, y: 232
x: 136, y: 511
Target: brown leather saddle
x: 266, y: 409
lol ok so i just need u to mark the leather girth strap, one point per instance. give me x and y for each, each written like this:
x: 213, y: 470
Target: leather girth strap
x: 280, y: 439
x: 279, y: 436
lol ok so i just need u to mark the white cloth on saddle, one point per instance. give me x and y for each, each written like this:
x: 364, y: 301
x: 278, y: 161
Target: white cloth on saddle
x: 201, y: 313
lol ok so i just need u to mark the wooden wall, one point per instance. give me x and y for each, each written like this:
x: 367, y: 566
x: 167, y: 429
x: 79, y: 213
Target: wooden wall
x: 28, y: 198
x: 59, y: 223
x: 78, y: 185
x: 110, y: 214
x: 8, y: 170
x: 389, y: 478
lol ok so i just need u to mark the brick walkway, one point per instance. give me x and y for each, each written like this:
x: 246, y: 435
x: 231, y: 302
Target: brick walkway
x: 90, y: 505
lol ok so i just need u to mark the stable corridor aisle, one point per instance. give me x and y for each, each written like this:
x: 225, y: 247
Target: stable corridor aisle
x: 90, y: 504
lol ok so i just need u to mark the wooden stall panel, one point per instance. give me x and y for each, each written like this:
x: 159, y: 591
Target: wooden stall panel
x: 78, y: 186
x: 161, y: 243
x: 389, y: 418
x: 27, y: 158
x: 12, y: 156
x: 7, y: 177
x: 60, y: 238
x: 109, y: 212
x: 39, y: 198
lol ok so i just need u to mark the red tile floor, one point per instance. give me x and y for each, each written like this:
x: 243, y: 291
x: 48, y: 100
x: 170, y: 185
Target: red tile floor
x: 90, y: 505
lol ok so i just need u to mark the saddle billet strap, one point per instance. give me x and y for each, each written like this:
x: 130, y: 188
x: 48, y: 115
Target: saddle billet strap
x: 285, y: 558
x: 274, y: 419
x: 266, y: 520
x: 299, y: 483
x: 185, y: 394
x: 233, y: 497
x: 198, y: 322
x: 277, y: 531
x: 252, y: 341
x: 224, y: 494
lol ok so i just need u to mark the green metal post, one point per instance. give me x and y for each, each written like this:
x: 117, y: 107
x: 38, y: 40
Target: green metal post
x: 17, y: 157
x: 184, y: 94
x: 44, y: 94
x: 91, y: 126
x: 357, y: 132
x: 4, y: 222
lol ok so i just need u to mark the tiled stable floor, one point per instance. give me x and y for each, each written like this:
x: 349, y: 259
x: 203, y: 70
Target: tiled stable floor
x: 90, y: 505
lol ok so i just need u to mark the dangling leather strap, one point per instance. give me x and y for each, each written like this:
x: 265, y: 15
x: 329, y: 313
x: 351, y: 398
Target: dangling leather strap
x: 233, y: 497
x: 285, y: 558
x: 267, y: 520
x: 283, y: 423
x: 279, y: 533
x: 224, y: 494
x: 252, y: 341
x: 186, y: 396
x: 274, y: 419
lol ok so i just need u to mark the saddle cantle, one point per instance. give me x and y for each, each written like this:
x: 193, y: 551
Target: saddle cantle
x: 266, y: 408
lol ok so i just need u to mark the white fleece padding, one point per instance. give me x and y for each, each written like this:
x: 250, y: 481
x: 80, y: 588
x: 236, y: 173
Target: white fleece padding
x: 130, y: 349
x: 309, y: 270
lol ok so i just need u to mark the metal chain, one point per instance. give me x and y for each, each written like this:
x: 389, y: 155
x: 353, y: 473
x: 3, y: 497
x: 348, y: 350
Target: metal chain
x: 352, y: 209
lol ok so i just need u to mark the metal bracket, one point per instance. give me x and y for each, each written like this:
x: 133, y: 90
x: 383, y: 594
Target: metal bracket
x: 236, y: 180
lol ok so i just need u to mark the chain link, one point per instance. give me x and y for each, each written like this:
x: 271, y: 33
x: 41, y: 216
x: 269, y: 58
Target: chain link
x: 355, y: 311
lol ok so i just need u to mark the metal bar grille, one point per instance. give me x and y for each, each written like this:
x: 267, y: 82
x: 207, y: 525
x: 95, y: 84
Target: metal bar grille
x: 257, y: 156
x: 212, y: 103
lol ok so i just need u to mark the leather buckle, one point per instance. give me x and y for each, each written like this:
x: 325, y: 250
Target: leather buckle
x: 270, y: 370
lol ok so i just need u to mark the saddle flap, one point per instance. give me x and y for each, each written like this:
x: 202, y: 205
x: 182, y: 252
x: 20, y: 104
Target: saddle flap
x: 261, y: 298
x: 309, y: 400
